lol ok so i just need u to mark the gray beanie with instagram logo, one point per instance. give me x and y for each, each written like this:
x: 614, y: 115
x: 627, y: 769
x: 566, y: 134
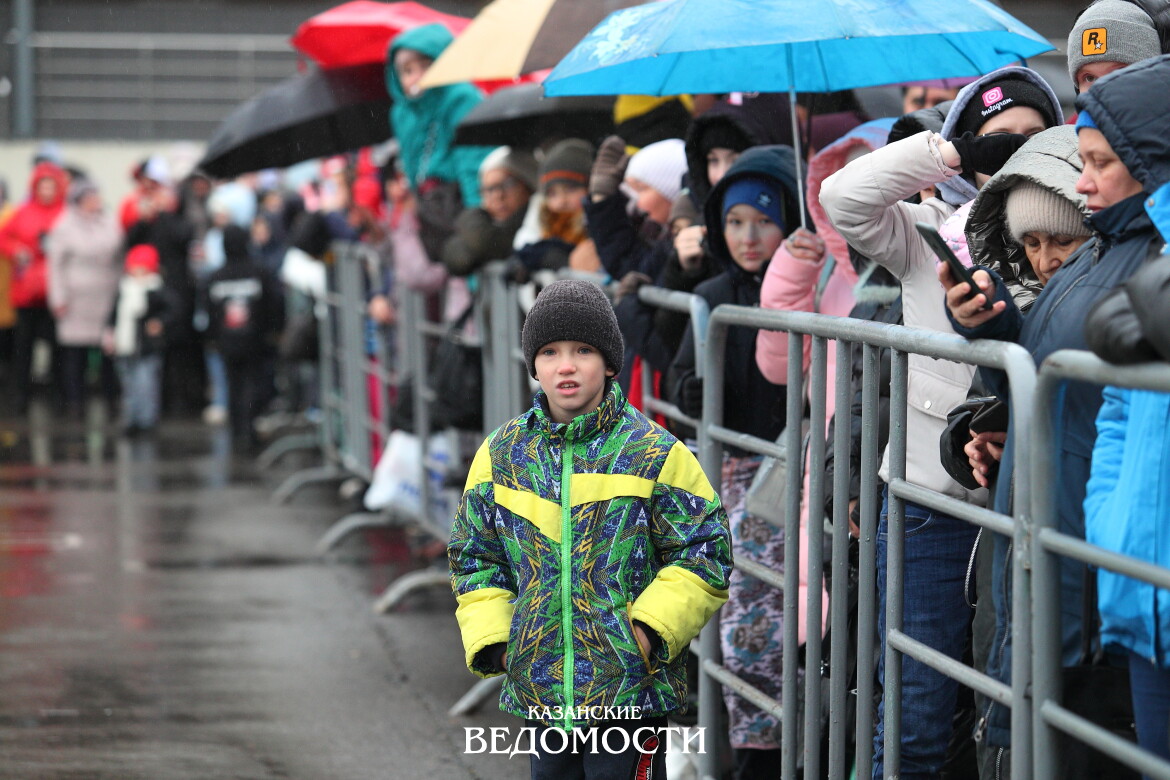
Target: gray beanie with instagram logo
x: 572, y: 310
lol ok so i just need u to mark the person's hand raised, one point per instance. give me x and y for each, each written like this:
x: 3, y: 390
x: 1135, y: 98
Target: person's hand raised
x: 803, y: 244
x: 969, y: 311
x: 688, y: 245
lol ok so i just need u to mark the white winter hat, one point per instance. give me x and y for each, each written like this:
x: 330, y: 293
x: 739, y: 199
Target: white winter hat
x: 660, y: 165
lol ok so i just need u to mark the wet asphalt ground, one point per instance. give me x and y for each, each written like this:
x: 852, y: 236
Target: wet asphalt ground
x: 162, y: 619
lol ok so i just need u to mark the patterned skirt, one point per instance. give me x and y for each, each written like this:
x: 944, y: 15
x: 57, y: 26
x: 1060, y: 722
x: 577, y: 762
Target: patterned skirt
x: 751, y: 623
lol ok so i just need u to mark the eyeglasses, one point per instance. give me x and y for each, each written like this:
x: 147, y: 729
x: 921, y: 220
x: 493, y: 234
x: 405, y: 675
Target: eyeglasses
x: 1028, y: 134
x: 503, y: 188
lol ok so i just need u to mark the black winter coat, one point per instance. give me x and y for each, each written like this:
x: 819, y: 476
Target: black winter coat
x: 245, y: 304
x: 752, y: 404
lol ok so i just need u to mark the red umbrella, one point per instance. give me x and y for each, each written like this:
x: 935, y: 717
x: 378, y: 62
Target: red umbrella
x: 359, y: 32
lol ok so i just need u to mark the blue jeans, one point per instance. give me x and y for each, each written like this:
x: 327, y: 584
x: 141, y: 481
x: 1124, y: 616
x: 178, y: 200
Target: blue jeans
x: 216, y: 377
x: 140, y: 377
x: 1149, y: 687
x: 934, y: 612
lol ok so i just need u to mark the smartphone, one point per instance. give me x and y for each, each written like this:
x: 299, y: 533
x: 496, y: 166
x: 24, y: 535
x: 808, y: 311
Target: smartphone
x: 944, y: 253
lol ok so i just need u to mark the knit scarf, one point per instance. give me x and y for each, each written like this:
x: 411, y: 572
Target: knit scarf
x: 569, y: 227
x: 133, y: 292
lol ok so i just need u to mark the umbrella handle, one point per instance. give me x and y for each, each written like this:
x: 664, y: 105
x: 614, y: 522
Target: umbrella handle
x: 796, y: 145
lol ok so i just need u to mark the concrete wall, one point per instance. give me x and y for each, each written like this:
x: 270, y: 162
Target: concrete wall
x: 106, y: 163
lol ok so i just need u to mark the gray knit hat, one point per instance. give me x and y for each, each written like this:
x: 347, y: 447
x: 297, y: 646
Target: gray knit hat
x: 572, y: 310
x: 569, y: 160
x: 1111, y: 31
x: 1031, y: 207
x: 520, y: 164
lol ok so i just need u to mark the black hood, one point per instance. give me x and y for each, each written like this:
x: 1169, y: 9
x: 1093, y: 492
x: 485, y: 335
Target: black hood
x: 777, y: 163
x: 763, y: 120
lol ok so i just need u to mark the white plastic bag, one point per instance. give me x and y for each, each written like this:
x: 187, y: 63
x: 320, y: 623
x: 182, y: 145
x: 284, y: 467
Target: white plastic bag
x: 397, y: 479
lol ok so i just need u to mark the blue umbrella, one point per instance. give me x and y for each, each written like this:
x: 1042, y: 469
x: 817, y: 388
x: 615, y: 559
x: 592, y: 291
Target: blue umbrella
x: 718, y: 46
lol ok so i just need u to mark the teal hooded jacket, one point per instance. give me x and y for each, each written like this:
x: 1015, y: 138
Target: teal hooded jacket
x: 425, y: 124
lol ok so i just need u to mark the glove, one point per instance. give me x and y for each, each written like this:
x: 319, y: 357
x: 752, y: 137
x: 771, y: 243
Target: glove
x: 609, y: 167
x: 690, y: 399
x: 986, y: 153
x: 629, y: 285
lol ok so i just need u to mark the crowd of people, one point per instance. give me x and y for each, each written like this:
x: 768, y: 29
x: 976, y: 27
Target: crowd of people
x: 188, y: 300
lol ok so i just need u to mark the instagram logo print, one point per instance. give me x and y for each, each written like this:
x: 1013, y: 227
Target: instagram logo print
x: 992, y: 96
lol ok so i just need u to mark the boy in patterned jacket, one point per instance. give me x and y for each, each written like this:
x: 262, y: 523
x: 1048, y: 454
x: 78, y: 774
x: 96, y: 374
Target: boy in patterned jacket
x: 588, y: 539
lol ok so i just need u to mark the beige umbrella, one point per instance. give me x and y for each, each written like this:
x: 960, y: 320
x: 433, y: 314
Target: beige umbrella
x: 512, y: 37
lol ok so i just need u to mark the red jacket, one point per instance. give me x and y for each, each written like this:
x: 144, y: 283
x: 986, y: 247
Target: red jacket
x: 25, y: 231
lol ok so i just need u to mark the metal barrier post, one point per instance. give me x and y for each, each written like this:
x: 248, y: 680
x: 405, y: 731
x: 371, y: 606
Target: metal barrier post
x: 365, y: 428
x: 711, y: 459
x: 867, y: 557
x: 789, y: 749
x: 895, y: 547
x: 838, y: 598
x: 816, y: 555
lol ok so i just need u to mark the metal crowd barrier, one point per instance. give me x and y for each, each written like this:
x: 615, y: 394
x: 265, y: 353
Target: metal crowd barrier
x: 712, y: 435
x: 1049, y: 545
x: 347, y: 429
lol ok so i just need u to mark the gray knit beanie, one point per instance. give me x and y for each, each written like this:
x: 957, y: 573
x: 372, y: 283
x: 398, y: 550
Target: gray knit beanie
x: 572, y: 310
x: 1111, y: 31
x: 1031, y: 207
x: 518, y: 163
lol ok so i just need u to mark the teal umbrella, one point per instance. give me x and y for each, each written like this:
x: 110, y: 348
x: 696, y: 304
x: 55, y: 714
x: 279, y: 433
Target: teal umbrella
x: 718, y: 46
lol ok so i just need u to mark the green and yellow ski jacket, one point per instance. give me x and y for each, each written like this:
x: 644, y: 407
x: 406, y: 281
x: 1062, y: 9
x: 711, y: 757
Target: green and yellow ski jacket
x: 566, y: 534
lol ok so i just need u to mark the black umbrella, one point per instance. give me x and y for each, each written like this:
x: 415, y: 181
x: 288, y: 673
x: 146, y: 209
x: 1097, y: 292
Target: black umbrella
x: 521, y: 116
x: 310, y: 115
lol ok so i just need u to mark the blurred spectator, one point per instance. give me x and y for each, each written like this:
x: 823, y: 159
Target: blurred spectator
x: 159, y: 224
x: 7, y: 312
x: 194, y: 192
x: 918, y: 97
x: 245, y: 316
x: 507, y: 180
x: 630, y: 202
x: 84, y: 251
x: 22, y: 241
x: 443, y: 177
x: 643, y: 120
x: 564, y: 241
x: 135, y: 337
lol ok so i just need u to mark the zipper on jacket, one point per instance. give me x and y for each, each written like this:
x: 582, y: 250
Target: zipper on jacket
x: 1063, y: 295
x: 567, y: 580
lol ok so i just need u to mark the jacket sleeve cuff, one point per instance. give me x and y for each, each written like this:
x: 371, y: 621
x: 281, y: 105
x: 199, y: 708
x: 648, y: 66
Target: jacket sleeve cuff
x: 485, y: 618
x: 676, y: 605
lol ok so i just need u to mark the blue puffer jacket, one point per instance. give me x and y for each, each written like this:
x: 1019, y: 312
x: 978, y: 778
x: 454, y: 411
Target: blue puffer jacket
x: 1128, y: 499
x: 1136, y: 126
x: 1126, y: 509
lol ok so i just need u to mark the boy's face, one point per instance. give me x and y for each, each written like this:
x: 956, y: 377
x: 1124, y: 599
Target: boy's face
x: 1091, y: 73
x: 572, y: 375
